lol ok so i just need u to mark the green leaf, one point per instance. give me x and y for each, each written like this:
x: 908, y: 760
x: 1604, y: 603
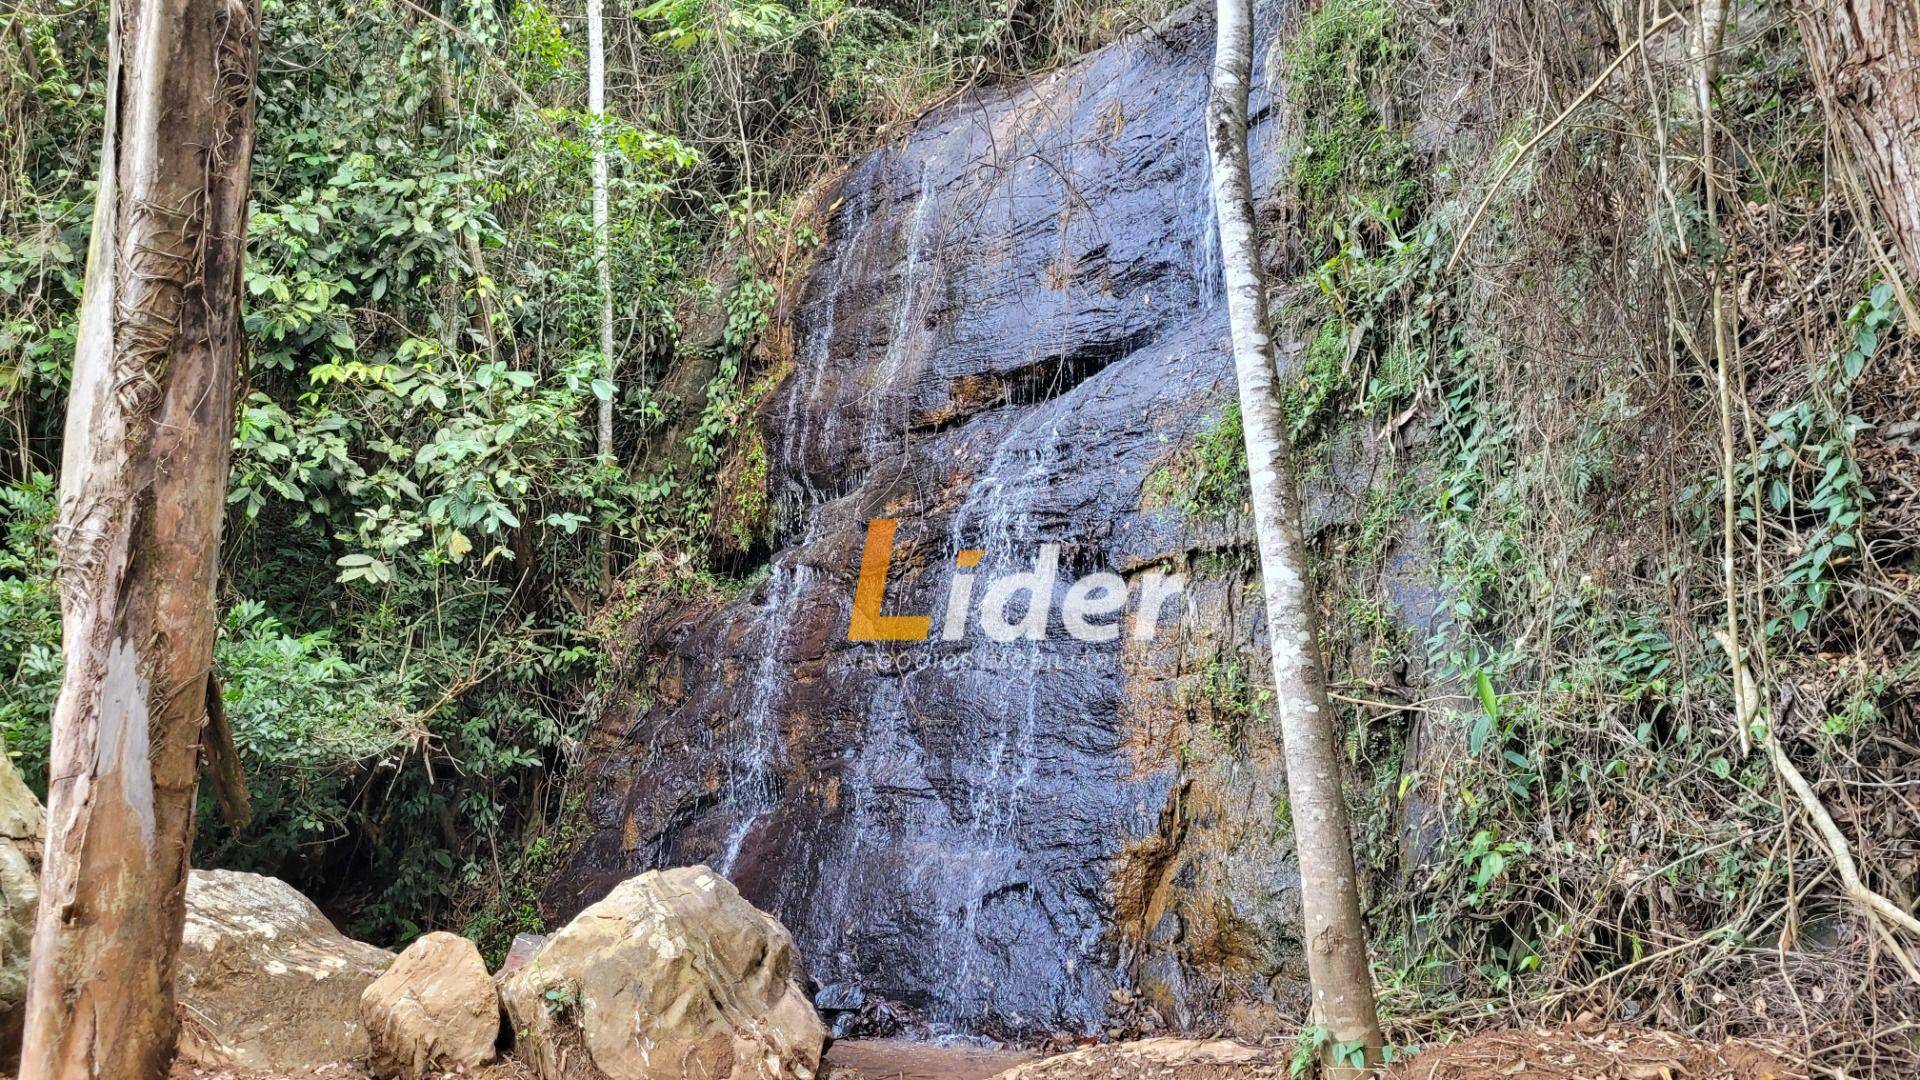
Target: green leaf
x: 1477, y: 738
x: 1491, y: 864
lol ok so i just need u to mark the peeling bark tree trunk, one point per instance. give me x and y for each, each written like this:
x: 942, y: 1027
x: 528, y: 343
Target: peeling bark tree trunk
x: 142, y: 489
x: 1335, y: 934
x: 1867, y: 56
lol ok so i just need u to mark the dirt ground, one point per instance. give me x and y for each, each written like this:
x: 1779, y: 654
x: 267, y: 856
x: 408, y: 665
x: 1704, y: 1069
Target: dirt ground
x: 1162, y: 1059
x: 1532, y: 1054
x: 1615, y: 1054
x: 1541, y: 1054
x: 899, y: 1059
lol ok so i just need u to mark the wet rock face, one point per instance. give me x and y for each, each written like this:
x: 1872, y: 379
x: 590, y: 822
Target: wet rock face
x: 1011, y: 329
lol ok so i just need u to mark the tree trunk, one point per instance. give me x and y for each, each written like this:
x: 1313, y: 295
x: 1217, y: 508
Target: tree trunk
x: 142, y: 490
x: 1866, y: 55
x: 602, y: 258
x: 1335, y: 934
x: 602, y: 243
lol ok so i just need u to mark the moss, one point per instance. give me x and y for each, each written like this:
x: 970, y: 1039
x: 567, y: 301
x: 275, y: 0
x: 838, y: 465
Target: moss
x: 1236, y: 562
x: 1233, y: 702
x: 1221, y: 449
x: 1389, y: 501
x: 1341, y: 60
x: 1306, y: 400
x: 742, y: 508
x: 1208, y: 478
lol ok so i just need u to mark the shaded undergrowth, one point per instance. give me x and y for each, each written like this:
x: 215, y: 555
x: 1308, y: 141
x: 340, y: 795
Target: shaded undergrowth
x: 1560, y: 813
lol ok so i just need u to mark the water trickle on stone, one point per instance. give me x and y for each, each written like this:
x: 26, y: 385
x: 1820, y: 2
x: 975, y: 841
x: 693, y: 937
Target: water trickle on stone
x: 957, y: 837
x: 999, y: 517
x: 1209, y: 284
x: 752, y: 789
x: 910, y: 300
x: 799, y: 496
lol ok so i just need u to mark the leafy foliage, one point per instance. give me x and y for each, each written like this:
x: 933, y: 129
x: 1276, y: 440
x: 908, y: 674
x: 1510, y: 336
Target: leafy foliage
x: 1206, y: 479
x: 1342, y: 62
x: 29, y: 624
x: 1572, y: 809
x: 420, y: 529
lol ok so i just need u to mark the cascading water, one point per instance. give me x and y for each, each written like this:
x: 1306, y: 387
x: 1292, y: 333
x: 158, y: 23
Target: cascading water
x: 752, y: 791
x: 998, y: 518
x: 909, y: 307
x: 799, y: 496
x: 1208, y: 282
x: 1016, y: 315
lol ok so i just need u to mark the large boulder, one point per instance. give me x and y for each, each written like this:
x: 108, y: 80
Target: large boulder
x: 672, y: 977
x: 435, y: 1010
x: 21, y: 826
x: 265, y: 981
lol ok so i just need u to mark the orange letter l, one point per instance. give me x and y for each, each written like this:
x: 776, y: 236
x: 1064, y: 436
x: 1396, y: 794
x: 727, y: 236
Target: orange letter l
x: 871, y: 592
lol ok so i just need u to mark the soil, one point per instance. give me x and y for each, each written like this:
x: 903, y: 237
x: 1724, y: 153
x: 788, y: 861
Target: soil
x: 1612, y: 1054
x: 1163, y: 1058
x: 901, y: 1059
x: 1531, y: 1054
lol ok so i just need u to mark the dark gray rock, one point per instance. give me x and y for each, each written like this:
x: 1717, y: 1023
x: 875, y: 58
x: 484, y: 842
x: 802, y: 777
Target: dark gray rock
x: 1011, y: 327
x: 839, y: 997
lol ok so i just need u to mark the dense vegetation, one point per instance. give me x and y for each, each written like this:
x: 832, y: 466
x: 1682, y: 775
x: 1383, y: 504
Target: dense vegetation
x: 419, y: 533
x: 1535, y: 407
x: 427, y: 569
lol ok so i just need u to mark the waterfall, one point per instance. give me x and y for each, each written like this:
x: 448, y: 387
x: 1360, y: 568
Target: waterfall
x: 957, y: 834
x: 751, y: 788
x: 1209, y: 286
x: 1003, y: 499
x: 998, y: 517
x: 798, y: 496
x: 909, y: 308
x: 752, y: 791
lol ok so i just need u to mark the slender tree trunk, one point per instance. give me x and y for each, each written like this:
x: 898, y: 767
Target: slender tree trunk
x: 602, y: 242
x: 142, y: 490
x: 1866, y: 54
x: 602, y: 255
x: 1335, y: 934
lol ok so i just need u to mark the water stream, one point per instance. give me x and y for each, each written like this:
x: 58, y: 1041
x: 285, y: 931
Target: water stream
x: 910, y: 301
x: 999, y: 518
